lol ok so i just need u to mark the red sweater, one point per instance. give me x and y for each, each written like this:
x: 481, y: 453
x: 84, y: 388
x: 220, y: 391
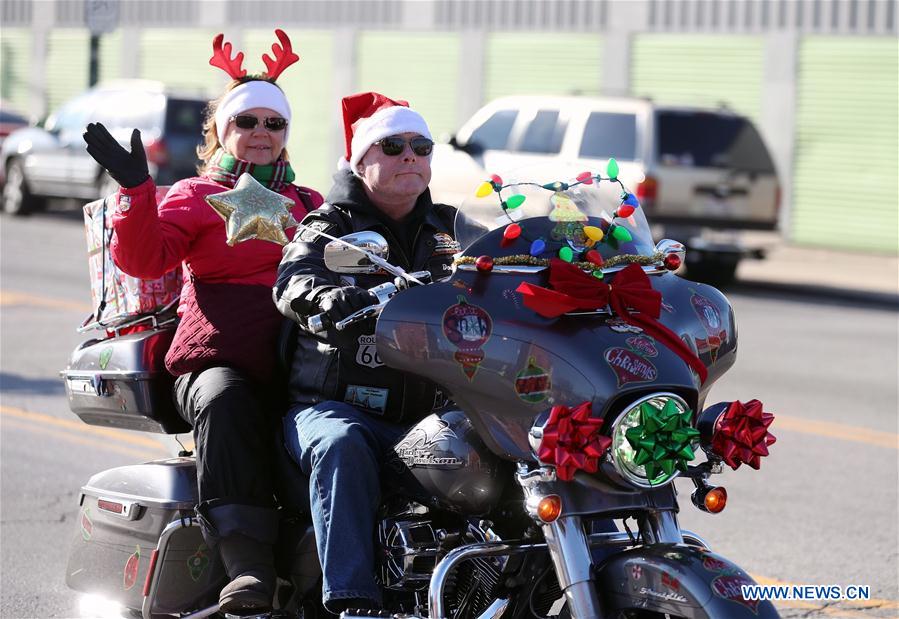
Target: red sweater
x: 151, y: 240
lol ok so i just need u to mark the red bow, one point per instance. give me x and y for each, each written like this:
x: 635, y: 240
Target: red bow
x: 631, y: 296
x: 741, y: 434
x: 571, y: 440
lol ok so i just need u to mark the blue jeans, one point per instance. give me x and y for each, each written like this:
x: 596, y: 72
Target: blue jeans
x: 341, y: 450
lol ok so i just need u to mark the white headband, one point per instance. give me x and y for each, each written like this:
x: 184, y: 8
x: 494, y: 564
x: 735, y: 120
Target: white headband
x: 382, y: 124
x: 257, y: 93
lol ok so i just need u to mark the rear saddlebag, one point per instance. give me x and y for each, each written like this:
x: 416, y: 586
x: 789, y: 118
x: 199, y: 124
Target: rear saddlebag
x: 121, y: 382
x: 138, y: 543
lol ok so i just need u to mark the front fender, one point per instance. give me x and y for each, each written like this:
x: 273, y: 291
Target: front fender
x: 685, y: 581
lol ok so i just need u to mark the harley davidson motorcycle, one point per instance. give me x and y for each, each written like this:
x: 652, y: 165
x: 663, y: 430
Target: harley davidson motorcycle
x: 577, y: 364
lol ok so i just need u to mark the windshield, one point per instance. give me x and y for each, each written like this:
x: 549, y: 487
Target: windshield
x: 572, y: 214
x: 709, y: 140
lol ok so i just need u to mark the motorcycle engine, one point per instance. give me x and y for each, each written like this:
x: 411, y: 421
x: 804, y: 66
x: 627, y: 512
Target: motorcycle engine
x: 411, y: 547
x: 410, y: 551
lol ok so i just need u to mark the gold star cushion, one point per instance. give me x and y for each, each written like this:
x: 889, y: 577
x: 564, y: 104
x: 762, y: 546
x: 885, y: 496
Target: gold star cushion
x: 252, y: 211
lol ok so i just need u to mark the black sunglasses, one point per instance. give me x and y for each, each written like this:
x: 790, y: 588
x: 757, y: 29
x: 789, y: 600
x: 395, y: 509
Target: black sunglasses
x: 247, y: 121
x: 395, y: 145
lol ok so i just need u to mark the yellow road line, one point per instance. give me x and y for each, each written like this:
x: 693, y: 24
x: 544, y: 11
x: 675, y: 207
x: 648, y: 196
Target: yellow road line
x: 12, y: 297
x: 835, y: 430
x: 142, y: 454
x: 860, y: 607
x: 81, y: 427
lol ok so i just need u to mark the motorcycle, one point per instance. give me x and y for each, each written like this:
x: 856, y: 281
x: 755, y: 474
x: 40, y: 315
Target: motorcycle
x: 576, y: 364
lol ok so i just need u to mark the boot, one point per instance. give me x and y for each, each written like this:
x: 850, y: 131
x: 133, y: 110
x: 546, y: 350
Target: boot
x: 251, y: 567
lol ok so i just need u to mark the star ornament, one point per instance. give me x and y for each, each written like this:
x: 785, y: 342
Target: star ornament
x: 571, y: 440
x: 741, y: 434
x: 252, y: 211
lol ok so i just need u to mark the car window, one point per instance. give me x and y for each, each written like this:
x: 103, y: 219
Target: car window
x: 494, y: 133
x: 126, y: 109
x: 544, y: 134
x: 610, y: 134
x: 73, y: 115
x: 709, y: 140
x: 184, y: 117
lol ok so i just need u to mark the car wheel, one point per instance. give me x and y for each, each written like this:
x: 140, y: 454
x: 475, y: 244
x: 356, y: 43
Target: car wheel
x: 17, y: 198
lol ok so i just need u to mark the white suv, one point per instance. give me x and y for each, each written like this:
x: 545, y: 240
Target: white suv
x: 703, y: 175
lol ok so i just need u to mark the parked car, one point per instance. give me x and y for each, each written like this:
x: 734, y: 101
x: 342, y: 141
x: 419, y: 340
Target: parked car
x: 704, y: 176
x: 9, y: 121
x: 50, y: 160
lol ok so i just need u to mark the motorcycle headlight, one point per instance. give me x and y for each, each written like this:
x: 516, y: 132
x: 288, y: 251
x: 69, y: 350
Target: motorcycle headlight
x: 630, y: 461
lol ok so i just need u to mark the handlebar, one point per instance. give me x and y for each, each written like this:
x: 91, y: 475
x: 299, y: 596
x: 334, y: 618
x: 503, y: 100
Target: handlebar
x: 384, y: 292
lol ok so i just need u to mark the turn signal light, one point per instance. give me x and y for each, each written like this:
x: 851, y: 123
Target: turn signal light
x: 712, y: 499
x: 549, y: 508
x: 716, y: 500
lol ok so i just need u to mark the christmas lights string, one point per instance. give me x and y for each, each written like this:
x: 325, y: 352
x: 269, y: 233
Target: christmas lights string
x: 608, y: 232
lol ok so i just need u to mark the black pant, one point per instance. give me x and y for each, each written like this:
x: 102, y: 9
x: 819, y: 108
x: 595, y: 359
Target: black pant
x: 234, y: 433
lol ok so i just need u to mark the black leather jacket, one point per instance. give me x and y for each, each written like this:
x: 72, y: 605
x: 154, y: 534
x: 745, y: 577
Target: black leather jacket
x: 344, y: 366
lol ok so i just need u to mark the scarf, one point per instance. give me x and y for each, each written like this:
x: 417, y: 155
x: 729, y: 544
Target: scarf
x: 226, y: 169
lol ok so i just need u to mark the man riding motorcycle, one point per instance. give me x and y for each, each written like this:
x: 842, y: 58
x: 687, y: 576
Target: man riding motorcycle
x: 347, y: 408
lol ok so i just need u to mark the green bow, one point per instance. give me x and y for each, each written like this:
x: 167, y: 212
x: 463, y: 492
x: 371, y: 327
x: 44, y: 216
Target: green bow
x: 663, y: 440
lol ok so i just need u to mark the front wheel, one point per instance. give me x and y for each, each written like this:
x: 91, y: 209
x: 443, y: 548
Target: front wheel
x: 17, y: 197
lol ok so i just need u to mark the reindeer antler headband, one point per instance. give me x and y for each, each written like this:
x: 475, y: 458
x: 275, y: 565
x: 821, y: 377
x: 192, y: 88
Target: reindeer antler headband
x: 258, y: 93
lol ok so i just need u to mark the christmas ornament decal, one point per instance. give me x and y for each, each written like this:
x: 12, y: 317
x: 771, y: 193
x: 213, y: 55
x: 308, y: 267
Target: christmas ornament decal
x: 131, y: 569
x: 630, y: 367
x: 252, y: 211
x: 710, y: 317
x: 643, y: 345
x: 729, y: 587
x: 105, y: 356
x: 467, y: 327
x: 714, y: 565
x: 87, y: 527
x: 198, y: 562
x: 533, y: 384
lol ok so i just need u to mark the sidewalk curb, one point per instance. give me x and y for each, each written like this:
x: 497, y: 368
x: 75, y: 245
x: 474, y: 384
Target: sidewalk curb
x: 882, y: 300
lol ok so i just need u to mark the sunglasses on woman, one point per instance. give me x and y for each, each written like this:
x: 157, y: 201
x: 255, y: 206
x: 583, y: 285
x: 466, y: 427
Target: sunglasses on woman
x: 248, y: 121
x: 395, y: 145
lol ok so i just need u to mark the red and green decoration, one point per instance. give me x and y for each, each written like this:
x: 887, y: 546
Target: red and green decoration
x: 741, y: 434
x: 131, y: 568
x: 198, y: 562
x: 467, y: 327
x: 663, y: 441
x: 572, y: 441
x: 613, y: 233
x: 533, y: 384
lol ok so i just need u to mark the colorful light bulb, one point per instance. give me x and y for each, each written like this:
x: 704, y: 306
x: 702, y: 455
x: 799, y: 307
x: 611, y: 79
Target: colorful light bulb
x: 612, y: 169
x: 484, y: 189
x: 515, y: 201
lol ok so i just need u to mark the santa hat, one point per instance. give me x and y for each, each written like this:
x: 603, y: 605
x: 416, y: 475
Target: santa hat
x: 369, y: 117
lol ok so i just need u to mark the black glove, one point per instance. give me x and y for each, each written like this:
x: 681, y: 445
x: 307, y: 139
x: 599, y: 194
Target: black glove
x: 128, y: 169
x: 338, y: 303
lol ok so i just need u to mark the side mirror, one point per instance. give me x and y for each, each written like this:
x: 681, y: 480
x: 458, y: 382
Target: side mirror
x: 674, y: 253
x: 340, y: 258
x: 472, y: 148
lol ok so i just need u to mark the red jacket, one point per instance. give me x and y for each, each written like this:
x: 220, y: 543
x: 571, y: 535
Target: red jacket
x: 151, y: 240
